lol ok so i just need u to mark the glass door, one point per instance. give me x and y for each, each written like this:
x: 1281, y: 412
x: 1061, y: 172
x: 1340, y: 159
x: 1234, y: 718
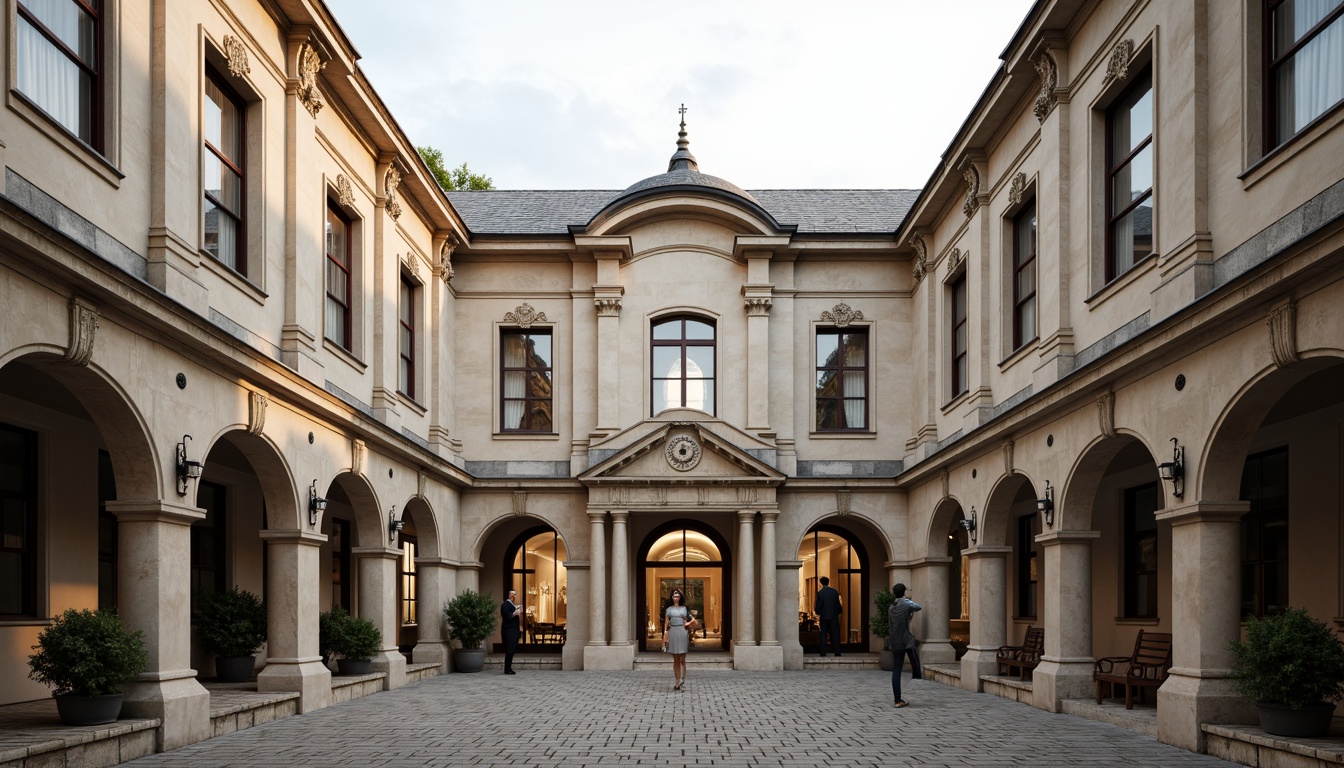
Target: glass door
x: 688, y: 560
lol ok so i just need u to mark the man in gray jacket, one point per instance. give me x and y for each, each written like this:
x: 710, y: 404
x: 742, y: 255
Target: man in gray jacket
x: 901, y: 640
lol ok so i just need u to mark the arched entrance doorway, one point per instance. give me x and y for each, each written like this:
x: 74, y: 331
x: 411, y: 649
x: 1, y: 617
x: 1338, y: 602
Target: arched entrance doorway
x: 694, y: 558
x: 833, y: 553
x: 535, y: 569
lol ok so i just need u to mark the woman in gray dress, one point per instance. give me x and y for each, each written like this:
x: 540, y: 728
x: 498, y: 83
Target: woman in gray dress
x: 677, y: 619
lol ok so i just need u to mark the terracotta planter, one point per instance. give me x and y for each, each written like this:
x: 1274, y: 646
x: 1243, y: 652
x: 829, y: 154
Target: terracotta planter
x: 1307, y: 722
x: 77, y: 709
x: 468, y: 659
x: 234, y: 669
x: 355, y: 666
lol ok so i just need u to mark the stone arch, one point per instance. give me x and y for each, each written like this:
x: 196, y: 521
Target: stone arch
x: 421, y: 515
x: 491, y: 528
x: 1008, y: 492
x: 284, y: 510
x: 870, y: 527
x: 1073, y: 506
x: 370, y: 519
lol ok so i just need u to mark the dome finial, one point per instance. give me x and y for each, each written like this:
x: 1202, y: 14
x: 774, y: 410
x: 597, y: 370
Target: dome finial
x: 682, y: 159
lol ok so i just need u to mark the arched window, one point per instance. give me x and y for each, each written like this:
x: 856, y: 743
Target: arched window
x: 683, y: 364
x: 535, y: 569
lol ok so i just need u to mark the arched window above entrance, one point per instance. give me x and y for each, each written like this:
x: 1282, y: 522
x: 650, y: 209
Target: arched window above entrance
x: 683, y: 363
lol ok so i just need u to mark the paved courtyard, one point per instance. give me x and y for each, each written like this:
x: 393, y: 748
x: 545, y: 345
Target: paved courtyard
x: 840, y: 718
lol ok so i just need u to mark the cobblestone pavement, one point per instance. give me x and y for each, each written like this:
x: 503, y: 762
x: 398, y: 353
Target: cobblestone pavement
x: 806, y: 718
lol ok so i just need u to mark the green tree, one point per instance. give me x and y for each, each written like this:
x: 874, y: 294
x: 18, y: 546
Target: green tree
x: 459, y: 179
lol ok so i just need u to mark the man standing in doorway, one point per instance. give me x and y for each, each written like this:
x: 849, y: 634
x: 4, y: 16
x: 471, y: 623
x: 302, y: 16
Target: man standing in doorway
x: 828, y: 612
x: 510, y: 611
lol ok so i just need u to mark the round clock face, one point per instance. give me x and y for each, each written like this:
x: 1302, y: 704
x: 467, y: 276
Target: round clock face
x: 683, y: 453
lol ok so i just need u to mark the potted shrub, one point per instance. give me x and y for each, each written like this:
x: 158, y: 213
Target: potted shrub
x: 1292, y: 666
x: 877, y: 624
x: 470, y: 618
x: 354, y: 640
x: 232, y: 625
x: 86, y: 656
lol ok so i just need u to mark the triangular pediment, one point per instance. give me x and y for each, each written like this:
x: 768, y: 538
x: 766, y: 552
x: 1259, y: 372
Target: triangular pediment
x: 681, y: 453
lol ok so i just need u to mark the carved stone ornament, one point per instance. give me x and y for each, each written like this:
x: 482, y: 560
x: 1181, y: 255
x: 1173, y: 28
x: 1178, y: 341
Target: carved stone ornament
x: 519, y: 503
x: 947, y: 483
x: 524, y: 316
x: 682, y: 452
x: 1118, y: 66
x: 608, y: 306
x: 757, y: 306
x: 921, y: 260
x: 237, y: 56
x: 1008, y: 448
x: 421, y: 480
x: 746, y: 495
x: 841, y: 315
x: 83, y: 330
x: 955, y: 259
x: 842, y: 499
x: 446, y: 258
x: 358, y: 452
x: 1016, y: 189
x: 972, y: 203
x: 310, y: 63
x: 1106, y: 414
x: 256, y: 412
x: 393, y: 204
x: 1283, y: 334
x: 1046, y: 99
x: 345, y: 193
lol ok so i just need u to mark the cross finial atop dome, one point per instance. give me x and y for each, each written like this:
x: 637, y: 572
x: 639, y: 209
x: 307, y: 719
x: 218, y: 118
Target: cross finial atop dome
x: 682, y: 159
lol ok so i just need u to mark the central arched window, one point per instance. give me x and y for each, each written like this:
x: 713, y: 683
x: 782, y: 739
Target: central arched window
x: 683, y: 364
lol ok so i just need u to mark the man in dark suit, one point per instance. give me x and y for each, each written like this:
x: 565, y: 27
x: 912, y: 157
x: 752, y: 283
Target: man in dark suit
x: 510, y: 611
x: 828, y: 610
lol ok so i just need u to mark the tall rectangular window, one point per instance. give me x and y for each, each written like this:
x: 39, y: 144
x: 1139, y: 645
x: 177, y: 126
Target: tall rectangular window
x: 1141, y: 551
x: 58, y: 56
x: 1129, y: 178
x: 1264, y: 534
x: 223, y: 173
x: 406, y: 338
x: 1305, y: 58
x: 842, y: 379
x: 18, y: 522
x: 339, y: 540
x: 959, y: 347
x: 339, y: 273
x: 1024, y: 276
x: 1027, y: 575
x: 406, y: 584
x: 525, y: 377
x: 208, y: 537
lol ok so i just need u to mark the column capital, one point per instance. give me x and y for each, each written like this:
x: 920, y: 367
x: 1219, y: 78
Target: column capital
x: 154, y: 511
x: 926, y: 562
x: 597, y: 515
x: 389, y: 553
x: 1205, y: 512
x: 306, y: 538
x: 769, y: 516
x: 1056, y: 538
x: 746, y: 515
x: 434, y: 562
x: 984, y: 551
x: 620, y: 516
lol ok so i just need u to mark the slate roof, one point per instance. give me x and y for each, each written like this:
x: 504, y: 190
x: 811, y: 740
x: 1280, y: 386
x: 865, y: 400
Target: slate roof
x: 813, y: 211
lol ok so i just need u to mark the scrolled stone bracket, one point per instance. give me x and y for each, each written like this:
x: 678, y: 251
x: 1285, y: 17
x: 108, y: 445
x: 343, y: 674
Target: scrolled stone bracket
x: 83, y: 331
x: 1282, y: 322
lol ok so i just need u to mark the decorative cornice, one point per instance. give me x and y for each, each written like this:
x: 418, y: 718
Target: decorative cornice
x: 757, y: 306
x: 608, y: 306
x: 256, y: 412
x: 393, y: 181
x: 1282, y: 323
x: 1106, y: 414
x: 1118, y: 66
x: 841, y: 315
x: 83, y: 331
x: 1049, y: 74
x: 345, y: 192
x: 524, y: 316
x: 236, y: 53
x: 972, y: 203
x: 1016, y: 189
x: 310, y: 63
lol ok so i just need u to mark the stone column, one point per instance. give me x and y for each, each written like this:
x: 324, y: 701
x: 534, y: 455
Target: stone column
x: 1206, y: 615
x: 434, y: 583
x: 746, y: 579
x: 769, y: 588
x: 768, y: 655
x: 1065, y: 671
x: 295, y: 567
x: 595, y: 655
x: 930, y: 576
x: 378, y: 568
x: 621, y: 645
x: 154, y: 596
x: 989, y: 613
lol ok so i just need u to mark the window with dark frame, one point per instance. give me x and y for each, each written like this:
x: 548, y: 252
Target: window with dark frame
x: 842, y: 379
x: 406, y: 337
x: 682, y: 371
x: 525, y: 380
x: 1129, y: 177
x: 1027, y: 574
x: 406, y: 584
x: 18, y: 522
x: 959, y: 341
x: 1304, y: 64
x: 339, y: 279
x: 1264, y: 534
x: 59, y: 52
x: 340, y: 542
x: 224, y: 233
x: 1141, y: 503
x: 208, y: 537
x: 1024, y: 276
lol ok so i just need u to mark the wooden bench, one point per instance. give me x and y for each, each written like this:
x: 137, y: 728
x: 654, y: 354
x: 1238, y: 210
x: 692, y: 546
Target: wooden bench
x: 1024, y: 657
x: 1146, y: 668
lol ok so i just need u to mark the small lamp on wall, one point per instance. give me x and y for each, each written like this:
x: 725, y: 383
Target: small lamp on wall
x: 394, y: 525
x: 186, y: 468
x: 969, y: 524
x: 316, y: 504
x: 1174, y: 470
x: 1046, y: 505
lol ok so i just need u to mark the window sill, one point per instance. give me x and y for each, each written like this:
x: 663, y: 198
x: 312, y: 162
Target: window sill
x: 526, y: 436
x: 1019, y: 353
x: 1123, y: 281
x: 1322, y: 126
x: 1141, y: 621
x: 62, y: 136
x: 410, y: 402
x: 345, y: 355
x: 237, y: 279
x: 858, y: 434
x: 956, y: 401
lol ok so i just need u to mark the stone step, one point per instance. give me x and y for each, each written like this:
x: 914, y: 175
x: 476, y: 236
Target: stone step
x: 1248, y: 745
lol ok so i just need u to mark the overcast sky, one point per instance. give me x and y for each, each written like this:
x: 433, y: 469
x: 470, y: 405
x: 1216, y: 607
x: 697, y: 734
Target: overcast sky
x: 781, y: 94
